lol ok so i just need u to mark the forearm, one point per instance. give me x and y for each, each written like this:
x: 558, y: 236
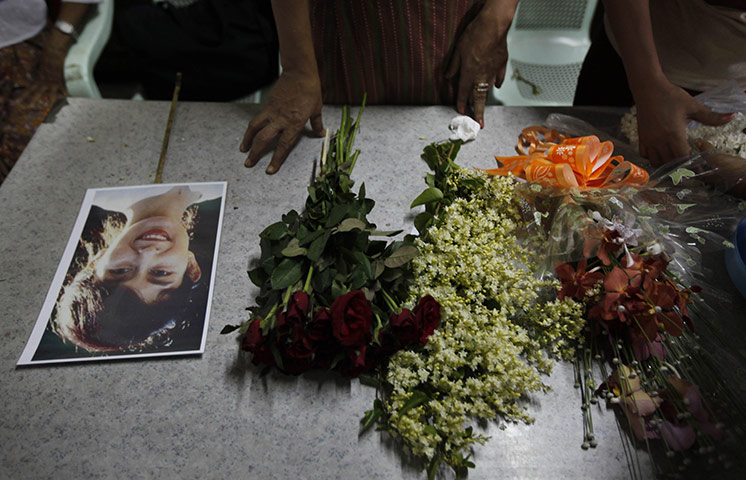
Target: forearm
x: 294, y: 33
x: 631, y: 25
x: 73, y: 13
x: 501, y: 11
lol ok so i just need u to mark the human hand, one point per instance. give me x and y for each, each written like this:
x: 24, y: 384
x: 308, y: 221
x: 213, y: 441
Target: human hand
x: 480, y: 58
x: 728, y: 171
x: 294, y: 100
x: 663, y: 114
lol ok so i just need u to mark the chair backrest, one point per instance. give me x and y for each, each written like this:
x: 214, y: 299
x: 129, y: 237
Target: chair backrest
x: 82, y: 56
x: 547, y: 44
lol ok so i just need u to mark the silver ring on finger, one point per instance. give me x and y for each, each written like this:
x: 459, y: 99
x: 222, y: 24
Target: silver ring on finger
x: 481, y: 87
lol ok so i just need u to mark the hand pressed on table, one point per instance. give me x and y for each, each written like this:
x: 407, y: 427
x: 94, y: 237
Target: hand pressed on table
x: 294, y: 100
x: 663, y: 114
x: 481, y: 55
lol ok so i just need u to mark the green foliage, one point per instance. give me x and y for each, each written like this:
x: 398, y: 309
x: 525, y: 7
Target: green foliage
x: 329, y: 249
x: 441, y: 190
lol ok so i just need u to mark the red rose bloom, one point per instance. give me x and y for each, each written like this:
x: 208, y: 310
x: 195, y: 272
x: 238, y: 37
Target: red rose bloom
x: 352, y: 319
x: 253, y: 341
x: 301, y: 345
x: 404, y: 327
x: 357, y: 362
x: 295, y: 366
x: 320, y: 328
x: 296, y: 312
x: 427, y: 316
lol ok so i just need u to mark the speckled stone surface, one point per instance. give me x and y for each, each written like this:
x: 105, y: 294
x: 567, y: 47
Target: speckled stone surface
x: 214, y: 416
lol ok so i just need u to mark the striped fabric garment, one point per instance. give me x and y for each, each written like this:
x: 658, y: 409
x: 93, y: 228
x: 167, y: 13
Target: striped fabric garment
x: 396, y: 51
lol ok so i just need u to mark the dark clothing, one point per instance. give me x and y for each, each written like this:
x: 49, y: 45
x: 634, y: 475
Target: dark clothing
x: 602, y: 80
x: 225, y: 49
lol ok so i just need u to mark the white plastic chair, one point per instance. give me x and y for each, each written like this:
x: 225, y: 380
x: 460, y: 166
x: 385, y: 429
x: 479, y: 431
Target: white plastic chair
x: 547, y: 44
x: 82, y: 56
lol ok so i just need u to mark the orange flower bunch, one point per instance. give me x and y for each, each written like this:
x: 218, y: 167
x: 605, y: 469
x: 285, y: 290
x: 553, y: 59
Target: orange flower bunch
x: 553, y: 159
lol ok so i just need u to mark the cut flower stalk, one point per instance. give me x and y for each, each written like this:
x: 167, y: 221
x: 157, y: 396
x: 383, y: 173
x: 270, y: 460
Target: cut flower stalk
x: 497, y: 328
x: 331, y: 295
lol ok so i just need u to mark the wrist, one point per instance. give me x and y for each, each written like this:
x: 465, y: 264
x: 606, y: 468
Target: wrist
x: 647, y: 87
x: 67, y: 29
x: 500, y: 12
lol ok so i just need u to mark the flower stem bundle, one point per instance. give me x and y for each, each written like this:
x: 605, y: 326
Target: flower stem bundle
x: 499, y: 322
x: 331, y: 295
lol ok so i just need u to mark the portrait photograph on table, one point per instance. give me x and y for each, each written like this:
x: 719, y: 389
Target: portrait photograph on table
x: 136, y: 276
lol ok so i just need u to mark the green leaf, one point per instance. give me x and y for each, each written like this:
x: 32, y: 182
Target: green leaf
x: 306, y: 238
x: 349, y: 224
x: 430, y: 180
x: 370, y: 418
x: 229, y: 329
x: 290, y: 218
x: 339, y: 211
x: 364, y: 264
x: 287, y: 273
x: 293, y: 249
x: 430, y: 195
x: 357, y: 279
x: 377, y: 268
x: 422, y: 221
x: 416, y: 399
x: 385, y: 233
x: 269, y: 265
x: 337, y: 288
x: 432, y: 469
x: 275, y: 231
x: 258, y: 276
x: 401, y: 256
x: 317, y: 246
x: 322, y: 280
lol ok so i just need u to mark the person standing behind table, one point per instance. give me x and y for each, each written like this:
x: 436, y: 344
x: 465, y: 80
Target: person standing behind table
x: 33, y: 48
x: 396, y: 52
x: 668, y: 50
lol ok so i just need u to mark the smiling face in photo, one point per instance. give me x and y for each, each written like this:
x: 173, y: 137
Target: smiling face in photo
x: 150, y: 258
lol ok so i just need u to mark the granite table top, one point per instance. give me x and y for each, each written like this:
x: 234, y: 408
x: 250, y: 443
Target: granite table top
x: 213, y: 415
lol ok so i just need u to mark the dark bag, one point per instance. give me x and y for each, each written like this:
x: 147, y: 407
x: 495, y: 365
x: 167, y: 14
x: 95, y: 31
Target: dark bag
x: 225, y: 49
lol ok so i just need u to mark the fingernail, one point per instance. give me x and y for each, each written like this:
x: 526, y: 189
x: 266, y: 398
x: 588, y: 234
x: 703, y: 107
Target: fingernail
x: 271, y: 170
x: 461, y: 110
x: 728, y: 115
x: 481, y: 123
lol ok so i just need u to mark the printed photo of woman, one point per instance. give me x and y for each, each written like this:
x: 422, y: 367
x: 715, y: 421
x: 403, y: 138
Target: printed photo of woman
x: 140, y: 275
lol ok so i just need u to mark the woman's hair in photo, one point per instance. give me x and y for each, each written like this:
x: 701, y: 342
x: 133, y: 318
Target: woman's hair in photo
x: 104, y: 318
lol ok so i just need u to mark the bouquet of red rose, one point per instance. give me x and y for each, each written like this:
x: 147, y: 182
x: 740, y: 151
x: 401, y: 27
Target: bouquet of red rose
x: 330, y: 295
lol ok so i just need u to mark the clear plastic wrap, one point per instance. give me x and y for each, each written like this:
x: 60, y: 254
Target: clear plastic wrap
x: 639, y: 257
x: 678, y: 208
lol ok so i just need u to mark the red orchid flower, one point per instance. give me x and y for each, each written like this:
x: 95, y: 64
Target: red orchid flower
x: 661, y: 298
x: 621, y: 300
x: 576, y: 282
x: 607, y: 241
